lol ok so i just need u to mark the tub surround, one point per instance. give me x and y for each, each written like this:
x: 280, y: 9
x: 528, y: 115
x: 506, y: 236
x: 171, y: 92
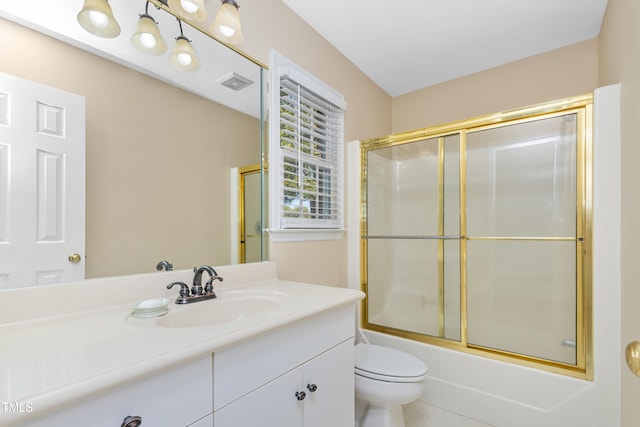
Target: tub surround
x: 61, y: 343
x: 503, y: 394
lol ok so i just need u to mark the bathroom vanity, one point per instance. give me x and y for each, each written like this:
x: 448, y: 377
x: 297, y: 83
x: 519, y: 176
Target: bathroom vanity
x: 265, y: 352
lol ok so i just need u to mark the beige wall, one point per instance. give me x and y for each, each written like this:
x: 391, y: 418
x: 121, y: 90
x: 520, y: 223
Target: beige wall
x: 154, y: 189
x: 619, y: 61
x: 553, y: 75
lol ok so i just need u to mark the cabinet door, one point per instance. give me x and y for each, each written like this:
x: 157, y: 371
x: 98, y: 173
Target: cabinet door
x: 332, y: 402
x: 273, y: 404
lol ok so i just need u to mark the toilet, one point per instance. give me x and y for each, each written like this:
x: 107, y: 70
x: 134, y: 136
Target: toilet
x: 385, y: 379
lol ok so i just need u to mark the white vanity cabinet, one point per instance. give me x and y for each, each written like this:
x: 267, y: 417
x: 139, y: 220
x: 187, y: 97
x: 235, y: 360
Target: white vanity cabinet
x: 176, y: 396
x: 300, y: 375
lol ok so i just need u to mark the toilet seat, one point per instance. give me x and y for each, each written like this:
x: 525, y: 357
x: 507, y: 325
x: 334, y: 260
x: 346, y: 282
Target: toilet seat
x: 388, y: 364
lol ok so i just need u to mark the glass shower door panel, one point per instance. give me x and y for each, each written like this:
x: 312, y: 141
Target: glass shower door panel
x: 402, y: 189
x: 521, y: 297
x: 521, y: 179
x: 402, y: 284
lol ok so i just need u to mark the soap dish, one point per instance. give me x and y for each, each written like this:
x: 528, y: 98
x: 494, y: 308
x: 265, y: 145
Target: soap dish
x: 151, y: 308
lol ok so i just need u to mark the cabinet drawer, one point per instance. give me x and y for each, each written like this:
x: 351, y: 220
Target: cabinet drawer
x: 176, y: 396
x: 239, y: 369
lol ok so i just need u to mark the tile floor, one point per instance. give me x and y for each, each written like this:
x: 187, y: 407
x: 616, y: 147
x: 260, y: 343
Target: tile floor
x: 419, y: 414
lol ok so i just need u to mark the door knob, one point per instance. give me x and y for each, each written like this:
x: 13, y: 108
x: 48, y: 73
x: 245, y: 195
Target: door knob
x: 75, y: 258
x: 633, y: 357
x: 312, y: 387
x: 300, y: 395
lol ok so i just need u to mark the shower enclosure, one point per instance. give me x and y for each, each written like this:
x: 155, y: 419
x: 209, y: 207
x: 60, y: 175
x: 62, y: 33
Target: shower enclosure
x: 476, y: 235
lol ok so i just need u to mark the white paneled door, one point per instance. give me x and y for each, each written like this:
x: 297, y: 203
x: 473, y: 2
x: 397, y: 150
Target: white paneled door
x: 42, y: 184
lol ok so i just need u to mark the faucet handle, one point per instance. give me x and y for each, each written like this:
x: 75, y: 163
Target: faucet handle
x: 184, y: 291
x: 208, y: 287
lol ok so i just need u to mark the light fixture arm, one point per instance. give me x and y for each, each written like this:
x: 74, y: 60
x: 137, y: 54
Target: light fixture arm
x: 146, y: 13
x: 181, y: 36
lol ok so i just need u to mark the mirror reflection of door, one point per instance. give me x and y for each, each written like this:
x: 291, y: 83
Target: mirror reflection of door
x: 250, y: 230
x: 42, y: 187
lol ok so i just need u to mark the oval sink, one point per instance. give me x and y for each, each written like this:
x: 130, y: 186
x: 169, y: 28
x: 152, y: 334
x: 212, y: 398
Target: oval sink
x: 230, y: 306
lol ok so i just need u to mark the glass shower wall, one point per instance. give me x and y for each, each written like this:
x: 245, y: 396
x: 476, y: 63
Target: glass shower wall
x: 402, y: 273
x: 412, y: 285
x: 521, y: 230
x: 521, y: 179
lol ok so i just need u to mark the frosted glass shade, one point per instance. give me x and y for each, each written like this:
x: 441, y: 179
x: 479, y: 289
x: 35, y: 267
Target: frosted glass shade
x: 97, y: 18
x: 193, y: 10
x: 147, y: 38
x: 226, y: 25
x: 183, y: 57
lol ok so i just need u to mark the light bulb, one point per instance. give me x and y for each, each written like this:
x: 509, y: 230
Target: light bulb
x: 191, y: 10
x: 184, y: 59
x: 227, y: 31
x: 189, y: 6
x: 147, y: 40
x: 98, y: 19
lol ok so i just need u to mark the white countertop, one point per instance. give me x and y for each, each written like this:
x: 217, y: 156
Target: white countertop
x: 51, y: 361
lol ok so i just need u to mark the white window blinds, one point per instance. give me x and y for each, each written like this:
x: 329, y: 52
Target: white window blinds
x: 306, y: 155
x: 311, y: 158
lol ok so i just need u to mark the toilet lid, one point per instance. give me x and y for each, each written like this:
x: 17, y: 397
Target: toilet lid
x: 388, y: 364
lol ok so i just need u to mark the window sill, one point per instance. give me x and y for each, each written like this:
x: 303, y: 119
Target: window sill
x: 305, y: 235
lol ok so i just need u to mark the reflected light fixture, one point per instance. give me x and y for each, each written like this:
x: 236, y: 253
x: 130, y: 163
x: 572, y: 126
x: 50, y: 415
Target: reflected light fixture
x: 147, y: 38
x: 226, y: 25
x: 183, y: 57
x: 97, y: 18
x: 192, y: 10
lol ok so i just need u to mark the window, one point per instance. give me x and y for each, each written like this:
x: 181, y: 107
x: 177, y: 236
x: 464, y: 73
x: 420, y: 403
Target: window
x: 306, y: 153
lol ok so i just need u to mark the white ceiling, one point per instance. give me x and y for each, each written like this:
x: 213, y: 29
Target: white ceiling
x: 411, y: 44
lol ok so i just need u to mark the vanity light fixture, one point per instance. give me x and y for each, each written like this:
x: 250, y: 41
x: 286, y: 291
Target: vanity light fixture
x: 226, y: 24
x: 183, y: 57
x: 192, y: 10
x: 147, y: 38
x: 97, y: 18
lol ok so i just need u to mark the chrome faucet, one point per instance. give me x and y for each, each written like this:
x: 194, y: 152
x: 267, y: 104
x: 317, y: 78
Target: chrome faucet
x: 197, y: 292
x: 164, y: 264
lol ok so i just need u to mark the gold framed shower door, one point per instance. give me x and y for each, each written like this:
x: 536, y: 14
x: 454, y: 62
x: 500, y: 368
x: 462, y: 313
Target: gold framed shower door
x: 581, y: 107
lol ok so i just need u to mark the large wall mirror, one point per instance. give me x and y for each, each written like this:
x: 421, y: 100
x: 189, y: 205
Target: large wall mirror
x: 163, y: 147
